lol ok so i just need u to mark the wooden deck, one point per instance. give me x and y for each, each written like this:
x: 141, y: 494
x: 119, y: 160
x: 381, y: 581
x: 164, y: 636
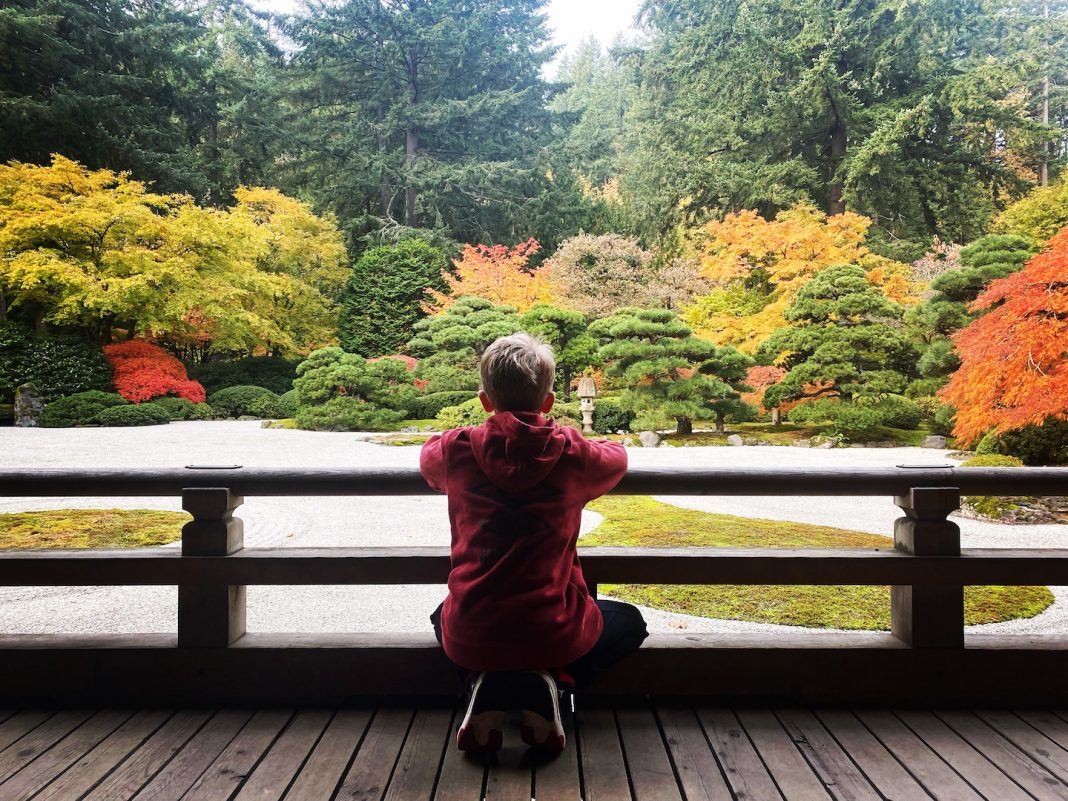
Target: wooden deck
x: 658, y: 751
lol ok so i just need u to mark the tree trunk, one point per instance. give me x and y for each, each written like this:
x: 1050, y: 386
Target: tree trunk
x: 386, y: 188
x: 1043, y: 173
x: 721, y: 418
x: 3, y: 307
x: 684, y: 425
x: 567, y: 383
x: 835, y: 205
x: 411, y: 146
x: 776, y: 416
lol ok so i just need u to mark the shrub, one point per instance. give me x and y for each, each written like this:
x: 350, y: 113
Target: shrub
x: 425, y: 407
x: 992, y: 460
x: 270, y: 372
x: 989, y: 444
x: 287, y: 403
x: 861, y: 416
x: 468, y: 413
x: 565, y: 420
x: 347, y: 414
x: 141, y: 414
x: 144, y: 371
x: 1046, y: 444
x: 993, y: 507
x: 57, y: 364
x: 182, y: 408
x: 79, y: 409
x: 566, y: 409
x: 609, y: 417
x: 240, y: 401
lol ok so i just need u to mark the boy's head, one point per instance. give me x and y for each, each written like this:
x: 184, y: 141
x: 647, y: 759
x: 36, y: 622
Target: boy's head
x: 517, y: 375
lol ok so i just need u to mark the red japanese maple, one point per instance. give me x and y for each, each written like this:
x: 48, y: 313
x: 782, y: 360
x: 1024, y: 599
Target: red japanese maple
x: 144, y: 371
x: 1014, y: 359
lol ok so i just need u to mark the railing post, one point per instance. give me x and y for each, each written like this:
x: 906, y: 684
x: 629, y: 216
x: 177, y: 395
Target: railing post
x: 211, y: 615
x: 928, y: 616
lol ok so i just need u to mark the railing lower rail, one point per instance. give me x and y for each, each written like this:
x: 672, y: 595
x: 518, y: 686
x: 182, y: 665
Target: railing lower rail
x: 926, y: 569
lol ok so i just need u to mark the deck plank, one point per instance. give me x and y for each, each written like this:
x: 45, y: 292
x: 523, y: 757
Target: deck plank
x: 603, y: 769
x: 462, y: 777
x: 1048, y: 723
x: 698, y: 771
x: 741, y: 764
x: 369, y: 774
x: 962, y: 756
x: 420, y: 760
x: 57, y: 759
x: 239, y: 758
x: 19, y: 724
x: 156, y: 752
x: 1032, y: 777
x: 652, y: 774
x: 834, y: 767
x: 276, y: 771
x: 510, y: 774
x: 871, y: 756
x: 321, y: 774
x: 789, y: 770
x: 26, y: 749
x: 938, y: 778
x: 1038, y: 747
x: 558, y: 779
x: 101, y: 760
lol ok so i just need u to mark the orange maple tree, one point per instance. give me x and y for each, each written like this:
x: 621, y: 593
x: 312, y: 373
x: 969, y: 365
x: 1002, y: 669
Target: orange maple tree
x: 1014, y: 359
x: 498, y: 273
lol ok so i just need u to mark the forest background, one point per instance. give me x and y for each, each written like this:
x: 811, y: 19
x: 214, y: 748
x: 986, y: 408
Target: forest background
x: 749, y: 207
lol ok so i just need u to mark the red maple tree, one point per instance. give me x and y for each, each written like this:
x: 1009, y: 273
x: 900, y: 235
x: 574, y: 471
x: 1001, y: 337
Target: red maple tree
x: 144, y: 371
x: 1014, y: 359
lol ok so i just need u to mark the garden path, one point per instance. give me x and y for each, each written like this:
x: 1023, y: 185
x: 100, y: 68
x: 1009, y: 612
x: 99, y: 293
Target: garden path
x: 421, y: 520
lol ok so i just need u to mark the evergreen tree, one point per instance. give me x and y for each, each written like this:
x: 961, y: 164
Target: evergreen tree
x: 844, y: 343
x: 668, y: 375
x: 565, y: 331
x: 385, y: 294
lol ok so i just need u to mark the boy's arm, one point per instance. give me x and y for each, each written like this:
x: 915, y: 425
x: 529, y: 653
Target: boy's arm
x: 432, y: 463
x: 606, y: 464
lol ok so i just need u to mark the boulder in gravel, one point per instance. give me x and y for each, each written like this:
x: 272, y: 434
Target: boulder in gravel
x: 736, y: 440
x: 934, y: 441
x: 410, y: 430
x: 628, y: 442
x: 803, y: 443
x: 649, y: 439
x: 29, y: 403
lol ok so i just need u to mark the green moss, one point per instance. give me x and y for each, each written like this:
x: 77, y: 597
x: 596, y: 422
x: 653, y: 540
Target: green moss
x: 90, y: 528
x: 644, y: 522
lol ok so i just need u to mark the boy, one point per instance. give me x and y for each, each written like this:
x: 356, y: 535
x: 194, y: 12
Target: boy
x: 518, y: 615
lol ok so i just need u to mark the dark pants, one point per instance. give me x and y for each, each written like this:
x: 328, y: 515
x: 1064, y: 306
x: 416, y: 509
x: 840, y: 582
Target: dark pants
x: 623, y: 633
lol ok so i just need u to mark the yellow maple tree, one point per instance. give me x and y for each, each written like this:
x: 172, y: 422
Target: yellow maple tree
x: 498, y: 273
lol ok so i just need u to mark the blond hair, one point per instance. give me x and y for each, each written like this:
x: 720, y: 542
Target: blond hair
x: 517, y: 373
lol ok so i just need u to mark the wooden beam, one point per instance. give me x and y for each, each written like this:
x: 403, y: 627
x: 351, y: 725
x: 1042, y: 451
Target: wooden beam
x: 250, y: 481
x: 430, y: 565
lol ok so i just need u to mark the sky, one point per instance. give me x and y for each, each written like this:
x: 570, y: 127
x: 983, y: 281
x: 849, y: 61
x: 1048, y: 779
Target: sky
x: 571, y: 21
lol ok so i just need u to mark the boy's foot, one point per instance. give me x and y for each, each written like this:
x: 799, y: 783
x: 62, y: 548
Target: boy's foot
x: 540, y: 696
x: 482, y: 729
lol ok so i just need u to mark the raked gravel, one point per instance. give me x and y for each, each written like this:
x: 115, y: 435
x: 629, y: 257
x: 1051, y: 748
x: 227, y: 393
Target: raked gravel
x: 317, y: 522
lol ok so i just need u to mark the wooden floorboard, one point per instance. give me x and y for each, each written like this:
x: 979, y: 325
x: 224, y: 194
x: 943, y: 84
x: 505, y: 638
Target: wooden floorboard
x: 661, y: 751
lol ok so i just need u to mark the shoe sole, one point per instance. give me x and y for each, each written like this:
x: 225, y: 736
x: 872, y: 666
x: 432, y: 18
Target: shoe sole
x: 482, y: 733
x: 540, y: 732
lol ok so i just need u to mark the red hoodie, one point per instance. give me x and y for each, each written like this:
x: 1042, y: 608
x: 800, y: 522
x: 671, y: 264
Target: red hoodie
x: 516, y: 486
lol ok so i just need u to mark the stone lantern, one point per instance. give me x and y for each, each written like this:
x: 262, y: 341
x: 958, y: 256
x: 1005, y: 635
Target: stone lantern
x: 587, y: 391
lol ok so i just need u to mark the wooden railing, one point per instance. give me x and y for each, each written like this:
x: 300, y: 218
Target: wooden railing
x: 926, y: 658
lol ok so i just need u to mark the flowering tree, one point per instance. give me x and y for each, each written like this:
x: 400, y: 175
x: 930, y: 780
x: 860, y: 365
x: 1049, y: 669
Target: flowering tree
x: 500, y: 274
x: 144, y: 371
x: 1014, y: 359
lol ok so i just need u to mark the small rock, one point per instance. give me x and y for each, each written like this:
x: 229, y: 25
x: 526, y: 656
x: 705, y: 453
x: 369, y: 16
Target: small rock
x: 803, y: 443
x: 410, y: 430
x: 934, y: 441
x: 736, y: 440
x: 29, y: 403
x: 649, y: 439
x: 827, y: 445
x: 856, y: 444
x: 628, y: 442
x: 427, y: 428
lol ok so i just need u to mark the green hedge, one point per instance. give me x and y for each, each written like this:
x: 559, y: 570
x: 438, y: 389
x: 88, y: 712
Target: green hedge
x: 425, y: 407
x: 270, y: 372
x: 183, y: 408
x: 468, y: 413
x: 609, y: 417
x: 57, y: 364
x: 79, y: 409
x: 347, y: 414
x: 143, y: 414
x: 242, y: 401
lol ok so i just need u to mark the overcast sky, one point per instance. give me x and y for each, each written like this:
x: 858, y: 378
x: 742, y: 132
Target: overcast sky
x: 571, y: 20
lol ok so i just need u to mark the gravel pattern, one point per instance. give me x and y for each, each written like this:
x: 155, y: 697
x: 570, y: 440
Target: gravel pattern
x: 319, y: 522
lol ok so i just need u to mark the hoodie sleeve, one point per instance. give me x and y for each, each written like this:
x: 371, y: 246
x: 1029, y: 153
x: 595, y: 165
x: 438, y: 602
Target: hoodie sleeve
x: 606, y: 464
x: 432, y: 463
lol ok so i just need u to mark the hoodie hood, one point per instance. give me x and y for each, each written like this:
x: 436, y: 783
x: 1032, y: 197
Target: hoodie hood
x: 517, y: 450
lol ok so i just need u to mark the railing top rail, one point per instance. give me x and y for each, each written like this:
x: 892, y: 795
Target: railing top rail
x: 252, y: 481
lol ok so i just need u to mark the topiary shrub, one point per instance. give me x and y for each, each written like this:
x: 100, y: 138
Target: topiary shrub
x: 240, y: 401
x: 140, y: 414
x: 426, y: 407
x: 270, y: 372
x: 995, y: 507
x: 861, y: 416
x: 989, y: 444
x: 182, y: 408
x: 347, y: 414
x: 609, y: 417
x: 992, y: 460
x: 1046, y: 444
x: 59, y: 365
x: 565, y: 420
x: 287, y: 403
x: 79, y: 409
x: 469, y: 413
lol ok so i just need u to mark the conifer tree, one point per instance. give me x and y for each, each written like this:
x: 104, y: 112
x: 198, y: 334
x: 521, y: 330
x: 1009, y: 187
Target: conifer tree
x: 565, y: 331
